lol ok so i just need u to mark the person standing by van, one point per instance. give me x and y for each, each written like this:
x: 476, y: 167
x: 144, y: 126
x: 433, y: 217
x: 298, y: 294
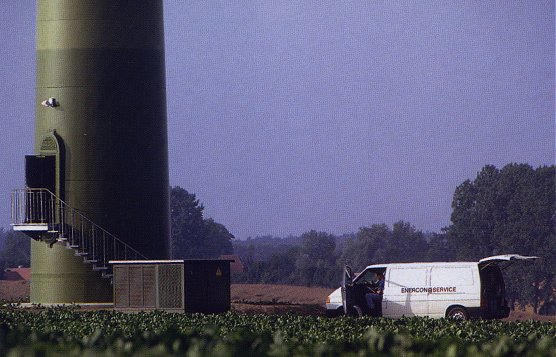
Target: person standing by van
x: 374, y: 296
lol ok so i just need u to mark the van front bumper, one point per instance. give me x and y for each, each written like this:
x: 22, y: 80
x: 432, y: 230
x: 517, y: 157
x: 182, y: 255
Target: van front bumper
x: 334, y: 310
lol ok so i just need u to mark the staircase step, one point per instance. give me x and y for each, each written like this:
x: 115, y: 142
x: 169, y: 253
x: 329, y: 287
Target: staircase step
x: 69, y: 227
x: 30, y: 227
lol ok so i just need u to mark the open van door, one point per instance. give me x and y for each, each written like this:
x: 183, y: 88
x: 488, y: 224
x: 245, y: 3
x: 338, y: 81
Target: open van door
x: 347, y: 290
x: 493, y: 291
x: 507, y: 259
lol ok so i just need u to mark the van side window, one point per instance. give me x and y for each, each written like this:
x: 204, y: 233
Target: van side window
x: 407, y: 277
x: 364, y: 277
x: 448, y: 276
x: 368, y: 276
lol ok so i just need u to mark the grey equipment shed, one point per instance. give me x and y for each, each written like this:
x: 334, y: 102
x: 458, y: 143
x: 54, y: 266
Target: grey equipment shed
x: 192, y: 286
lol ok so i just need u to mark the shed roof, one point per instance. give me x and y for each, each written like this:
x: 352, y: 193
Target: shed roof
x: 18, y: 273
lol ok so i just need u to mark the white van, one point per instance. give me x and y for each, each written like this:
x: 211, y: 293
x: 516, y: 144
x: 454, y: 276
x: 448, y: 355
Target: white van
x: 458, y: 289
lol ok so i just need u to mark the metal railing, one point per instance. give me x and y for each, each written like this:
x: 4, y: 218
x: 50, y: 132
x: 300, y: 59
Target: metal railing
x: 32, y: 207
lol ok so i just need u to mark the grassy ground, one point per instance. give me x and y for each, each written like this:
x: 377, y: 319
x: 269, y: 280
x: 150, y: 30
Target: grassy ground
x: 267, y: 299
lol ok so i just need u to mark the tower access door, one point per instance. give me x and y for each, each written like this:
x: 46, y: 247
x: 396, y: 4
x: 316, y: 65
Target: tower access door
x: 40, y: 172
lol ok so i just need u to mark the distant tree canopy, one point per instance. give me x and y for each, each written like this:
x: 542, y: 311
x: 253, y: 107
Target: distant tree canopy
x: 512, y: 210
x: 317, y: 258
x: 15, y: 249
x: 193, y: 236
x: 380, y: 244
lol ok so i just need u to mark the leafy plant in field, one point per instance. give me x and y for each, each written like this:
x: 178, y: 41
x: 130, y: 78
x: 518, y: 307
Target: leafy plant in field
x: 72, y: 332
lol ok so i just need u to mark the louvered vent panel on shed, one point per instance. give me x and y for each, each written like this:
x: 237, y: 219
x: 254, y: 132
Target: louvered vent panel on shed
x: 135, y: 286
x: 149, y: 286
x: 121, y: 287
x: 170, y: 286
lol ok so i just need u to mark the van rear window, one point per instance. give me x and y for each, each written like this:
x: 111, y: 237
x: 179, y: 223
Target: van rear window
x: 444, y: 276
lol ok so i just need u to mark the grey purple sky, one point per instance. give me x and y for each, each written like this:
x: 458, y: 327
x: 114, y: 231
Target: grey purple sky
x: 286, y: 116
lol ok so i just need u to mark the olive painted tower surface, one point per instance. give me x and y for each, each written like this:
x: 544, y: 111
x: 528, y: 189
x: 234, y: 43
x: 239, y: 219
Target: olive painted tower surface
x: 103, y: 62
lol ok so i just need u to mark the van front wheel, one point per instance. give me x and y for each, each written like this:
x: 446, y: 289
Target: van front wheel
x: 358, y: 311
x: 457, y: 313
x: 355, y: 311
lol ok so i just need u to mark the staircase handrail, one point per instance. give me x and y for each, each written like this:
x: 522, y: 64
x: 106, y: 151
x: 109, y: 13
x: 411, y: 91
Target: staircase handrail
x: 59, y: 207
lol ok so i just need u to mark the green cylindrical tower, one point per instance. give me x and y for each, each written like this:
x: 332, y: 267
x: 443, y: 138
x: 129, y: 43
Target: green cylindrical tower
x: 103, y: 62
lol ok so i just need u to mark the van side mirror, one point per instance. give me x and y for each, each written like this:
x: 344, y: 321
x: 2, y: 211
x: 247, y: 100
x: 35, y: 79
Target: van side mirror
x: 348, y: 276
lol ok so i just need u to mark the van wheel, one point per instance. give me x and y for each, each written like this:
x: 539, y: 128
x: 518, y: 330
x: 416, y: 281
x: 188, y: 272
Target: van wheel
x: 358, y: 312
x: 457, y: 313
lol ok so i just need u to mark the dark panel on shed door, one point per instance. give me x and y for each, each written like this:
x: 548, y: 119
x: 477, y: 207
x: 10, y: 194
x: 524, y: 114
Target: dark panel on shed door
x: 207, y: 286
x: 40, y: 172
x: 219, y: 287
x: 196, y: 287
x: 121, y: 286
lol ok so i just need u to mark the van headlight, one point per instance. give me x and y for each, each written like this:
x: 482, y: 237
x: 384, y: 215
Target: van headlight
x: 328, y: 299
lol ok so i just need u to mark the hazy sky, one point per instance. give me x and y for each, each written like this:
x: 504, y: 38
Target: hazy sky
x: 286, y: 116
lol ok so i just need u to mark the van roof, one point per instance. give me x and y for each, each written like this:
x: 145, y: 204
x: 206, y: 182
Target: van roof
x: 493, y: 259
x: 421, y: 264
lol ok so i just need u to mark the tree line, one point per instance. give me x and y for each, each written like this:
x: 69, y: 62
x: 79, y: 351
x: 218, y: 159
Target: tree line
x: 317, y: 258
x: 508, y: 210
x: 15, y: 250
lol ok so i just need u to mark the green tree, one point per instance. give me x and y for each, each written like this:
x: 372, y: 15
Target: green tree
x: 528, y: 228
x: 187, y: 224
x: 475, y: 206
x: 380, y: 244
x: 251, y: 268
x: 511, y: 210
x: 192, y: 236
x: 280, y: 267
x: 440, y: 249
x: 217, y: 239
x: 406, y: 244
x: 369, y: 247
x: 316, y: 262
x: 16, y: 249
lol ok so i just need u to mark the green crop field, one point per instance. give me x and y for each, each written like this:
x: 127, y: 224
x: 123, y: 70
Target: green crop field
x: 71, y: 332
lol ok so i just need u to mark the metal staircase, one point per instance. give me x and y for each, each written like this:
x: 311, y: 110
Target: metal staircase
x: 43, y: 216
